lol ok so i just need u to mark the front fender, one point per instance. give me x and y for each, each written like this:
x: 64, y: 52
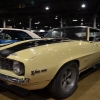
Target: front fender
x: 50, y: 61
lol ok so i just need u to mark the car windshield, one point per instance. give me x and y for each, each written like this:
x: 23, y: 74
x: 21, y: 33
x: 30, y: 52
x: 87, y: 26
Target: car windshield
x: 14, y: 35
x: 68, y: 33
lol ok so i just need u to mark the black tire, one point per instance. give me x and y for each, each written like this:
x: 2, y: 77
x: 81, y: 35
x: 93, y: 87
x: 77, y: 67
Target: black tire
x: 65, y: 82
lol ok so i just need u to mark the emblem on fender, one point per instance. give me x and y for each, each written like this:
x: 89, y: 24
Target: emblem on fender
x: 38, y: 71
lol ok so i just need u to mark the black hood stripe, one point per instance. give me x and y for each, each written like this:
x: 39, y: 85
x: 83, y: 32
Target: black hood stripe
x: 26, y: 45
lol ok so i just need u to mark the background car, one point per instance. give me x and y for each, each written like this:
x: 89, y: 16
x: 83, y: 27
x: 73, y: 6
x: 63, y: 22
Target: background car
x: 41, y: 34
x: 10, y: 35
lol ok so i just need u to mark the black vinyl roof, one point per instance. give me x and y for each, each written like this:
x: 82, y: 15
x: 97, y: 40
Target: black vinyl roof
x: 17, y: 12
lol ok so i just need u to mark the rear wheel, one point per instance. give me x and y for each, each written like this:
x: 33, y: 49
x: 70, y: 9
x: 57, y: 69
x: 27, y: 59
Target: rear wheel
x: 65, y: 82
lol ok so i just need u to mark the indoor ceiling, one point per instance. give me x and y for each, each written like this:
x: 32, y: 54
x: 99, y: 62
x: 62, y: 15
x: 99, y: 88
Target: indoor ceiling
x: 17, y: 12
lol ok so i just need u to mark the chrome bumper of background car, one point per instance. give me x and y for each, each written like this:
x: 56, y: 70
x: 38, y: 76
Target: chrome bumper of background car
x: 14, y: 80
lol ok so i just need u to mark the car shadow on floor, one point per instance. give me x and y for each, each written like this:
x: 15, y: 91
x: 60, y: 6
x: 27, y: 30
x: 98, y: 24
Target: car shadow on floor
x: 89, y: 72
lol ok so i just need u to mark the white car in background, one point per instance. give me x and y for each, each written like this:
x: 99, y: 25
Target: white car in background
x: 11, y: 35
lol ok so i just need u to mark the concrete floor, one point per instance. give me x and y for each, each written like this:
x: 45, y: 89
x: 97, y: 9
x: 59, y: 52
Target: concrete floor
x: 88, y: 89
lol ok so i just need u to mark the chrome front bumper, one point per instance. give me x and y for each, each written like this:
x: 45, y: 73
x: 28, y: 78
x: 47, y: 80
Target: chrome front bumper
x: 13, y: 79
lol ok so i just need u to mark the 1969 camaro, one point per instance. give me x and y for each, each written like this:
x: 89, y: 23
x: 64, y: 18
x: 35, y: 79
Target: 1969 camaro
x: 54, y: 61
x: 11, y: 35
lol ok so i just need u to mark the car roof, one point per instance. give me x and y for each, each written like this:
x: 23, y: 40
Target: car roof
x: 11, y: 29
x: 77, y: 27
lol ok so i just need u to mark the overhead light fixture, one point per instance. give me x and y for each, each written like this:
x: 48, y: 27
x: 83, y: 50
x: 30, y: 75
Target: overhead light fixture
x: 42, y: 30
x: 37, y: 22
x: 47, y: 8
x: 20, y: 23
x: 8, y: 20
x: 81, y: 24
x: 56, y: 18
x: 36, y: 27
x: 32, y: 2
x: 45, y: 26
x: 75, y: 20
x: 82, y: 19
x: 83, y: 6
x: 31, y: 19
x: 50, y: 26
x: 98, y: 25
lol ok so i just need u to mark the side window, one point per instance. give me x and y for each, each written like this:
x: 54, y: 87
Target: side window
x: 24, y: 35
x: 94, y: 35
x: 59, y: 33
x: 15, y: 35
x: 81, y: 34
x: 5, y: 35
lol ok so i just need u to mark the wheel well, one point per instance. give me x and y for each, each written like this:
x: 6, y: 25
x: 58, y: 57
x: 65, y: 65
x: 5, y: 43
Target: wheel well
x: 77, y: 61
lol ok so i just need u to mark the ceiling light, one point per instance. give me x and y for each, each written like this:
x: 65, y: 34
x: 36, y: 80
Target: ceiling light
x: 37, y: 22
x: 36, y: 27
x: 8, y: 20
x: 42, y: 30
x: 47, y: 8
x: 81, y: 24
x: 20, y: 23
x: 83, y: 6
x: 32, y: 2
x: 31, y: 19
x: 82, y: 19
x: 75, y: 20
x: 45, y: 26
x: 50, y: 26
x: 98, y: 25
x: 56, y: 18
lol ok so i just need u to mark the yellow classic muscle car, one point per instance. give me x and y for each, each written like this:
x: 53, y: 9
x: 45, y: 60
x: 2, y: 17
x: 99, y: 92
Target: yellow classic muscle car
x: 54, y: 61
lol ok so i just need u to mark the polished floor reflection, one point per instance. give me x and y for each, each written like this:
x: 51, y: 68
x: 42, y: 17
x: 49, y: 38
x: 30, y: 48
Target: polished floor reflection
x: 88, y: 89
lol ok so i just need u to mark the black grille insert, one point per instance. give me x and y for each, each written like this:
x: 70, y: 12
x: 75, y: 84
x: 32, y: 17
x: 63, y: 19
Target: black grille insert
x: 6, y: 64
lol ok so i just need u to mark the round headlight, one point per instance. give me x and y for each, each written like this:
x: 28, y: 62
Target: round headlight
x: 18, y: 68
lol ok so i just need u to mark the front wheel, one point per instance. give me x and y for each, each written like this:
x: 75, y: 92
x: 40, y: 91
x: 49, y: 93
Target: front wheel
x: 65, y: 82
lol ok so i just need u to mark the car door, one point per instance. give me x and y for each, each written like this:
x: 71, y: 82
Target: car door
x: 94, y: 44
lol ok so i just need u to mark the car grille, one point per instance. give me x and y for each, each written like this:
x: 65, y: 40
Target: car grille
x: 6, y: 64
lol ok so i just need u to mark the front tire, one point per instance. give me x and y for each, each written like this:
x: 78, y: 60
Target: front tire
x: 65, y: 82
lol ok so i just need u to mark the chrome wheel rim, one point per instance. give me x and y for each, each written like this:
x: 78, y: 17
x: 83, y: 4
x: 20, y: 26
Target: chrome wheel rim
x: 68, y: 79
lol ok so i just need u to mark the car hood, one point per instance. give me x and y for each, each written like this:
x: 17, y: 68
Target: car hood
x: 31, y: 48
